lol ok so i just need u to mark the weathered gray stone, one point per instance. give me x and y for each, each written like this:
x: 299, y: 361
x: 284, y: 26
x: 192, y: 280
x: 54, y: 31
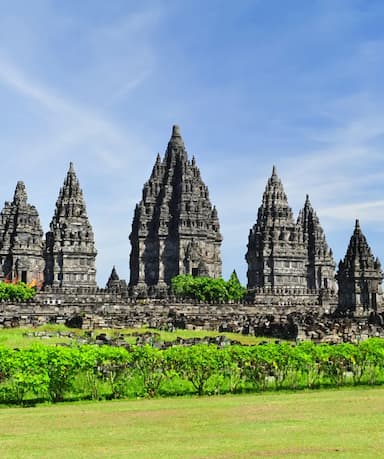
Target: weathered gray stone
x: 360, y: 277
x: 175, y: 229
x: 115, y: 284
x: 276, y: 253
x: 21, y: 243
x: 70, y: 249
x: 320, y: 263
x: 284, y: 256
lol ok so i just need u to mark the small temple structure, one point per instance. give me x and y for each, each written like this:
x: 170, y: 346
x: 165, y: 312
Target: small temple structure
x: 359, y: 277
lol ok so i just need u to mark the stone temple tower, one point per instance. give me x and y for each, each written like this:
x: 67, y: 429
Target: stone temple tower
x: 320, y: 263
x: 359, y: 277
x: 276, y: 253
x: 21, y: 240
x: 175, y: 229
x: 70, y: 247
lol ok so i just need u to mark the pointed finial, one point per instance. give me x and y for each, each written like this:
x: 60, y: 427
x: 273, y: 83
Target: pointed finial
x: 357, y: 224
x: 176, y: 136
x: 307, y: 203
x: 274, y: 171
x: 114, y: 275
x: 176, y: 131
x: 20, y: 186
x: 20, y: 193
x: 71, y: 170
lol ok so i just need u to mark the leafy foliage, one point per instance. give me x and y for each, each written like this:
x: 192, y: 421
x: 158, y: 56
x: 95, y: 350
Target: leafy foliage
x: 54, y: 374
x: 208, y: 289
x: 19, y: 291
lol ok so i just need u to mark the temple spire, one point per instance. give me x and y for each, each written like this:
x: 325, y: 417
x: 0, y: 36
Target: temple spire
x: 359, y: 276
x: 115, y: 284
x: 70, y: 247
x: 175, y: 229
x: 114, y: 276
x: 276, y: 252
x: 20, y: 196
x: 21, y: 244
x: 320, y: 263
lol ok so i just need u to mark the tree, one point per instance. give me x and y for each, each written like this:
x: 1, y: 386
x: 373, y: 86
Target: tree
x: 236, y: 291
x: 208, y: 289
x: 19, y: 291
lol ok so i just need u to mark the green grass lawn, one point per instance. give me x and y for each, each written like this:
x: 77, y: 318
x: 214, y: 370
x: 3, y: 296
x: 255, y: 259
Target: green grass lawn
x: 15, y: 337
x: 345, y: 423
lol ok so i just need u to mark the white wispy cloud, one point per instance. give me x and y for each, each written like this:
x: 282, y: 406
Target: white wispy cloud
x: 104, y: 153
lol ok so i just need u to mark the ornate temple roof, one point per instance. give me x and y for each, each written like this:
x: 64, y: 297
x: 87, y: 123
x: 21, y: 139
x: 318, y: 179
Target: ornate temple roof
x: 175, y: 204
x: 70, y: 242
x: 359, y: 257
x: 20, y: 228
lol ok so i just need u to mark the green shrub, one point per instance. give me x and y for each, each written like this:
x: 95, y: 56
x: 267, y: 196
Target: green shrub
x: 208, y: 289
x: 43, y: 372
x: 19, y: 291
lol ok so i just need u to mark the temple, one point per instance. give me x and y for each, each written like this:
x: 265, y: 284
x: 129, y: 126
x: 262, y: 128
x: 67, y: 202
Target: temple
x: 115, y: 284
x: 21, y: 240
x: 320, y: 272
x: 70, y: 248
x: 359, y: 277
x: 175, y: 229
x: 285, y: 254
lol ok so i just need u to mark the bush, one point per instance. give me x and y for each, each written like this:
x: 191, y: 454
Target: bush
x: 89, y: 371
x: 19, y: 291
x: 208, y: 289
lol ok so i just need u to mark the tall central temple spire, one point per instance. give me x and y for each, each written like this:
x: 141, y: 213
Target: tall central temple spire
x: 175, y: 229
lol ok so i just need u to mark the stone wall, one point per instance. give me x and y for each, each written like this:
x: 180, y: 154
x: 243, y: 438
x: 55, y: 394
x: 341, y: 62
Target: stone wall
x: 91, y: 308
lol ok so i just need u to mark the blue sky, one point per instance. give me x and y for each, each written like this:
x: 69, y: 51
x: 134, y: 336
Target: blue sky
x: 254, y: 83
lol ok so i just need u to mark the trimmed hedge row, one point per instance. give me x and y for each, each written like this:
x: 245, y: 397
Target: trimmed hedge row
x: 46, y: 373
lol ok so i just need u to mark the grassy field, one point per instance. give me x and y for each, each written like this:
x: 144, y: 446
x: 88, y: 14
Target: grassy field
x: 344, y: 423
x: 16, y: 337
